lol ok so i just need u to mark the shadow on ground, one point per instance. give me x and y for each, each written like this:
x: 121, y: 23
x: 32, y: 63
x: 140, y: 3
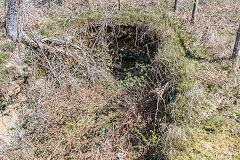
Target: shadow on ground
x: 189, y: 54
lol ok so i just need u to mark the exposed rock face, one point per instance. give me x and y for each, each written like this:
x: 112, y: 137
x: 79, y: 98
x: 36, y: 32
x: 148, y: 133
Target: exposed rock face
x: 9, y: 117
x: 8, y: 123
x: 10, y: 130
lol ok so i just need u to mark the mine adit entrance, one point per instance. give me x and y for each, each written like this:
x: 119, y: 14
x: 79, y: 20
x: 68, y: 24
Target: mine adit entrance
x: 127, y: 47
x: 129, y: 53
x: 131, y: 45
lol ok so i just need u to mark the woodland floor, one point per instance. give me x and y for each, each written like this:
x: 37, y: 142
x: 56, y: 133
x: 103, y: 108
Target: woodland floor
x: 140, y: 83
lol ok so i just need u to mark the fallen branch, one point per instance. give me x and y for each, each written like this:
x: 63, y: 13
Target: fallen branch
x: 59, y: 42
x: 15, y: 33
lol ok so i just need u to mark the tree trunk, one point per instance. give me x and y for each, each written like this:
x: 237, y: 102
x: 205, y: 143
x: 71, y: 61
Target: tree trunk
x: 13, y: 22
x: 14, y: 28
x: 14, y: 25
x: 236, y: 50
x: 59, y: 2
x: 175, y: 5
x: 194, y: 11
x: 119, y: 5
x: 235, y: 57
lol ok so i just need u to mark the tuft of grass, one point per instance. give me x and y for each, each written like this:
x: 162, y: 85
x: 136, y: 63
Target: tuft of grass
x: 8, y: 46
x: 3, y: 57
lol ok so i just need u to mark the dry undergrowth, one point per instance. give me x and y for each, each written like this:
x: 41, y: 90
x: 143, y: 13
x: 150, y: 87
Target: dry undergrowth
x: 165, y: 96
x: 75, y: 109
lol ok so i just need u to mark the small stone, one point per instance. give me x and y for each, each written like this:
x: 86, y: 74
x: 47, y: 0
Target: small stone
x: 13, y: 89
x: 22, y: 97
x: 6, y: 123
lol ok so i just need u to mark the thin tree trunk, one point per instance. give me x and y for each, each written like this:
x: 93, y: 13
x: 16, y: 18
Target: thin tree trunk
x: 194, y: 12
x: 236, y: 50
x: 175, y: 5
x: 89, y: 4
x: 14, y: 28
x: 59, y: 2
x: 14, y: 24
x: 236, y: 55
x: 119, y: 5
x: 15, y: 31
